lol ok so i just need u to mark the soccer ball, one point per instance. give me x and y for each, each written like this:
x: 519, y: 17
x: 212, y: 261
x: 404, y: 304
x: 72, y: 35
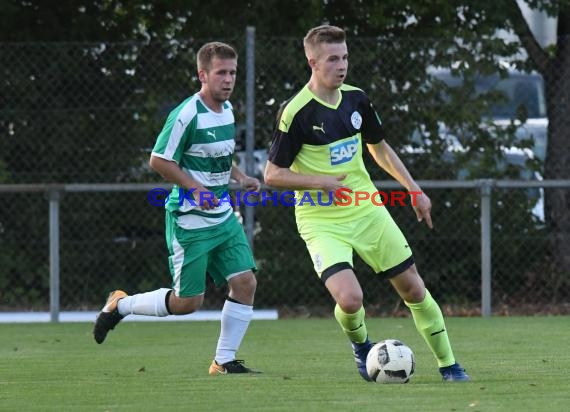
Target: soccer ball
x: 390, y: 361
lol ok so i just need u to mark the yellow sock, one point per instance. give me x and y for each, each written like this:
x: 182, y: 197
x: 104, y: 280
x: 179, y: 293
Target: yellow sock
x: 352, y: 324
x: 429, y: 322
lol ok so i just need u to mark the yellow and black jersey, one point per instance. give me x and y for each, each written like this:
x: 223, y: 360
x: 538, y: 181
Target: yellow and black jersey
x: 312, y: 137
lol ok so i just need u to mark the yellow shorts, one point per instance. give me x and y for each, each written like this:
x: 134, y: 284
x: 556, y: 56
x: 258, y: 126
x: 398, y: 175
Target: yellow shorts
x: 375, y: 237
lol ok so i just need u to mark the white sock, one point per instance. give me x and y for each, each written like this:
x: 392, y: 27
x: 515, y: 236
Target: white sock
x: 149, y: 303
x: 235, y: 320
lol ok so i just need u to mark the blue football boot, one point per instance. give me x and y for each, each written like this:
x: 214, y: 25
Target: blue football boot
x: 454, y: 373
x: 360, y: 351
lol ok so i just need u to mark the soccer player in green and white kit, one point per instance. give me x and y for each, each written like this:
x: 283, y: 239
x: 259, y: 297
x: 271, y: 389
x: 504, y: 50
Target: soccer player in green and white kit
x: 194, y: 151
x: 317, y: 147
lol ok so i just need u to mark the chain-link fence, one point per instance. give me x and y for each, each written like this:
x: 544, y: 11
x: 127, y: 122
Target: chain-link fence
x: 89, y: 113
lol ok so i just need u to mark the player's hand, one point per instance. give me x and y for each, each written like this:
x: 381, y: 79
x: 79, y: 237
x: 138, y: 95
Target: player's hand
x: 205, y: 199
x: 332, y: 183
x: 422, y: 206
x: 333, y: 186
x: 251, y: 184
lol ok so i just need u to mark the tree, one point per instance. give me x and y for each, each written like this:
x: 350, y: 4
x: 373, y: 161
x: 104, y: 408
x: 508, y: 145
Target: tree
x: 554, y: 65
x: 470, y: 27
x: 119, y: 66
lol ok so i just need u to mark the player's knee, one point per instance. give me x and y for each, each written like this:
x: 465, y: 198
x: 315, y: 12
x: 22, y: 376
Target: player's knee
x: 185, y: 306
x: 244, y: 284
x: 415, y: 295
x: 412, y: 292
x: 410, y: 285
x: 349, y: 301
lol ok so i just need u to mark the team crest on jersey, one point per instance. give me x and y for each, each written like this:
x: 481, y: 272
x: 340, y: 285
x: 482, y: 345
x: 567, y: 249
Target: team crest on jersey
x: 343, y: 152
x: 356, y: 120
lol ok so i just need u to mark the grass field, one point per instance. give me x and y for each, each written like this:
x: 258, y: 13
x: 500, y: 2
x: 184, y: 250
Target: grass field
x: 517, y: 364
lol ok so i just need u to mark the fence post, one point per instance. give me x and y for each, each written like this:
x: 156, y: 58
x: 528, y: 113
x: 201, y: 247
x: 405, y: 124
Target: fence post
x: 249, y: 123
x: 54, y: 198
x: 486, y: 189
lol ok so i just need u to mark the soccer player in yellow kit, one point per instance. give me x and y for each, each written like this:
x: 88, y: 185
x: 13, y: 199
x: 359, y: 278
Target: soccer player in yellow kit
x: 317, y: 149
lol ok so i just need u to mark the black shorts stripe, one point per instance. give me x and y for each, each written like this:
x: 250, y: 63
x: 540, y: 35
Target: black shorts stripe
x: 331, y: 270
x: 399, y: 268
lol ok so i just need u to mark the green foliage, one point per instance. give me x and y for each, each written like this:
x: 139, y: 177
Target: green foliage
x: 286, y: 272
x: 105, y: 249
x: 3, y: 172
x: 85, y: 99
x: 24, y: 279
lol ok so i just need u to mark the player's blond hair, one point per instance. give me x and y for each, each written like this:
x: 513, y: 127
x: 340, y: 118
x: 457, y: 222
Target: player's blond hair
x: 322, y: 34
x: 214, y: 49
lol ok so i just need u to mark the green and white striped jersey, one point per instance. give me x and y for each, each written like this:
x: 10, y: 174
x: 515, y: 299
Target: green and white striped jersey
x: 202, y: 143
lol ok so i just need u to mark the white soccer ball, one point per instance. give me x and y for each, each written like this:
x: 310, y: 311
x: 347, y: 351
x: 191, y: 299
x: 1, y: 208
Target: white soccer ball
x: 390, y: 361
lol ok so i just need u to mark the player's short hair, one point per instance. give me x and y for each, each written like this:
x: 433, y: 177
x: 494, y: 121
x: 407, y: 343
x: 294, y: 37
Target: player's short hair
x: 323, y: 34
x: 214, y: 49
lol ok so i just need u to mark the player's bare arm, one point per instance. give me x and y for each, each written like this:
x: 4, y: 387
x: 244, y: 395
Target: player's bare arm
x: 171, y: 172
x: 388, y: 160
x: 247, y: 182
x: 285, y: 178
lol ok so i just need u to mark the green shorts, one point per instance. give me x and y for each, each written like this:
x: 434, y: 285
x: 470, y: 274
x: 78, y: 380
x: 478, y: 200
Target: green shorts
x: 375, y: 237
x: 221, y: 251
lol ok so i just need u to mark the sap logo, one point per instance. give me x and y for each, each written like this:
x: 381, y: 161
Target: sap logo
x: 343, y: 152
